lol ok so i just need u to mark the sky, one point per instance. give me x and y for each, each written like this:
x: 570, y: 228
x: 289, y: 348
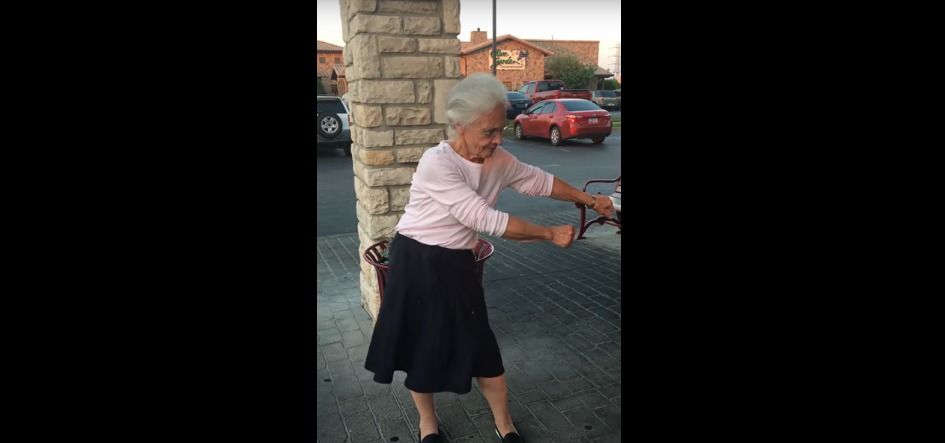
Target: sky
x: 538, y: 19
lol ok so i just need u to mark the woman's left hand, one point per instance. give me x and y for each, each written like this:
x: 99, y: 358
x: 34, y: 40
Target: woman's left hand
x: 604, y: 206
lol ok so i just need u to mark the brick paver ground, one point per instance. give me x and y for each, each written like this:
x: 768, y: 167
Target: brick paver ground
x: 555, y: 313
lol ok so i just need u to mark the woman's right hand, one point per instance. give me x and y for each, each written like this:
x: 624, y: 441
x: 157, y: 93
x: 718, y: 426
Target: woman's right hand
x: 562, y: 235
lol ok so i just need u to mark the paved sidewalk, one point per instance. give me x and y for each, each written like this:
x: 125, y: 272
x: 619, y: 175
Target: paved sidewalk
x: 555, y: 313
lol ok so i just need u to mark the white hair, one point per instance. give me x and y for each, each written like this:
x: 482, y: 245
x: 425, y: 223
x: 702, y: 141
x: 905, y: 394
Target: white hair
x: 471, y: 98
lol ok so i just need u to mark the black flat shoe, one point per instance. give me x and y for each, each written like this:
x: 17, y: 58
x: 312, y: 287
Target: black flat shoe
x: 511, y: 437
x: 432, y: 438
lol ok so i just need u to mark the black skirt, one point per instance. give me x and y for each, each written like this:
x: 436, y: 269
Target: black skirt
x: 432, y: 323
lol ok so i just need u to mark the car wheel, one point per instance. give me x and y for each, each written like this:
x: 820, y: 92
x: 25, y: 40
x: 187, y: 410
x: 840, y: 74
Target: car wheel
x: 555, y: 136
x: 597, y: 140
x: 518, y: 132
x: 347, y: 149
x: 329, y: 125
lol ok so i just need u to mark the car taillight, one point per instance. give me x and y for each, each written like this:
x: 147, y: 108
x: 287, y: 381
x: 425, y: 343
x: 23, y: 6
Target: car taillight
x: 573, y: 118
x: 349, y: 120
x: 558, y: 94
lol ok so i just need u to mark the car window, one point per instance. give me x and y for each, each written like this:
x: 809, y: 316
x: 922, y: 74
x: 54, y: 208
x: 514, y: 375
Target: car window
x: 542, y: 86
x: 531, y: 87
x: 537, y: 108
x: 331, y: 106
x: 554, y: 86
x: 550, y: 108
x: 516, y: 96
x: 580, y: 105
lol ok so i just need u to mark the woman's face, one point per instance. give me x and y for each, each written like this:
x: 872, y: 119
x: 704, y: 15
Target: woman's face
x: 485, y: 134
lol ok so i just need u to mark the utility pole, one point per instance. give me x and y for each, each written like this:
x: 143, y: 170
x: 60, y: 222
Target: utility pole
x: 495, y: 57
x: 616, y: 58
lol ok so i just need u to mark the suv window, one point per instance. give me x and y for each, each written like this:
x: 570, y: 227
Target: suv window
x: 554, y: 86
x: 332, y: 105
x: 531, y: 87
x: 607, y: 94
x: 542, y: 86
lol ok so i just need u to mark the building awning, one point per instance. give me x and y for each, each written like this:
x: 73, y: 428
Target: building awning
x: 337, y: 71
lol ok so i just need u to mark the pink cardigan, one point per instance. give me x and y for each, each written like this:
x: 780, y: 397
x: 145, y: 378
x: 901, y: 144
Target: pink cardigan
x: 452, y: 198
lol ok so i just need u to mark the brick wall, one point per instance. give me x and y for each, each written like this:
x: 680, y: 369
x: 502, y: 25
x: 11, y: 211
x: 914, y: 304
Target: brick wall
x: 324, y: 69
x: 534, y: 66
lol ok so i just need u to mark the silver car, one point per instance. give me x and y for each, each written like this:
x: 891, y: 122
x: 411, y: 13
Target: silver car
x: 333, y: 124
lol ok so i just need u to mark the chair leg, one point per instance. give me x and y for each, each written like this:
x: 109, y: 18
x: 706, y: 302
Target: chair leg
x: 581, y: 225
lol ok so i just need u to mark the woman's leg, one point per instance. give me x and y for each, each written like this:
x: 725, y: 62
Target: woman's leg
x: 428, y: 421
x: 498, y: 398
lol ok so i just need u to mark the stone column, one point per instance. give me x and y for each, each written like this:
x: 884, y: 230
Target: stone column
x: 401, y: 59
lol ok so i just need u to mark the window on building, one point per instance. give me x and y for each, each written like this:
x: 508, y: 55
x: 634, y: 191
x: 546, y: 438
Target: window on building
x: 321, y: 59
x: 337, y: 59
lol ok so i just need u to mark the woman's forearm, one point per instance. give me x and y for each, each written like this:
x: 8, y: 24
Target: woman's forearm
x: 565, y: 192
x: 519, y: 229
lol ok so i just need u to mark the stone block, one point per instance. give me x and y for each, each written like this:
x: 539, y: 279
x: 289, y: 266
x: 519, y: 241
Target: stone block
x: 374, y: 200
x: 377, y: 226
x: 453, y: 69
x: 364, y: 49
x: 396, y: 44
x: 380, y: 91
x: 388, y: 176
x: 399, y: 197
x: 423, y: 7
x: 439, y: 45
x: 441, y: 89
x: 422, y: 25
x: 451, y: 16
x: 419, y: 136
x: 362, y: 6
x: 370, y: 297
x: 411, y: 155
x: 366, y: 115
x: 374, y: 157
x: 377, y: 24
x: 424, y: 91
x: 407, y: 115
x: 412, y: 67
x: 373, y: 139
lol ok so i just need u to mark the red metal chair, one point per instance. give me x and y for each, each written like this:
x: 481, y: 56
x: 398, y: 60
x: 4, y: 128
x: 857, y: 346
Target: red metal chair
x: 372, y: 255
x: 615, y: 198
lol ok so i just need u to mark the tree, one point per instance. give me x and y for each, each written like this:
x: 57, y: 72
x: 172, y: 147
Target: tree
x: 569, y: 70
x: 319, y: 88
x: 611, y: 84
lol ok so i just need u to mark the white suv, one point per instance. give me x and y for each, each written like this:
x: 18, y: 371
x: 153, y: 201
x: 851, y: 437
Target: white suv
x: 333, y: 124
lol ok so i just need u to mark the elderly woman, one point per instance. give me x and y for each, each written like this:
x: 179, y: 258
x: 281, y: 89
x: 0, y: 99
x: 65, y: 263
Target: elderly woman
x: 433, y: 323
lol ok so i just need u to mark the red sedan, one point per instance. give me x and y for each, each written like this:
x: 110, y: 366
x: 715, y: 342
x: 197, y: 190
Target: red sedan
x: 564, y: 118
